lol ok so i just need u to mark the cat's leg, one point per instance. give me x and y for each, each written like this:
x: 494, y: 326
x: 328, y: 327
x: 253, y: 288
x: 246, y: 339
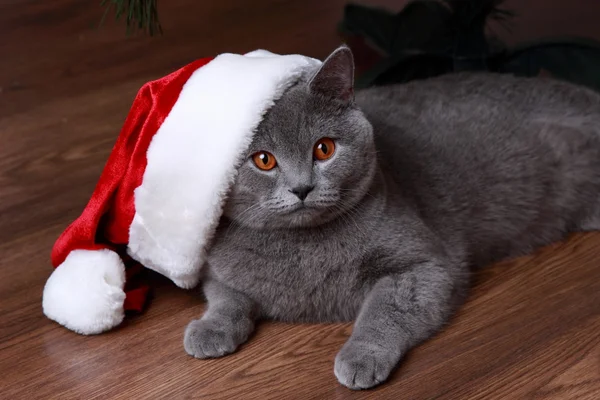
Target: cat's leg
x: 591, y: 222
x: 399, y: 312
x: 225, y: 325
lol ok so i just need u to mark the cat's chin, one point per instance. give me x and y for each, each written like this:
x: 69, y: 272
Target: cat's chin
x: 306, y: 217
x: 299, y: 218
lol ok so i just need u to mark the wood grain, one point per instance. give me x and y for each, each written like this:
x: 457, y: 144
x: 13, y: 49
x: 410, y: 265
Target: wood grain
x: 531, y: 328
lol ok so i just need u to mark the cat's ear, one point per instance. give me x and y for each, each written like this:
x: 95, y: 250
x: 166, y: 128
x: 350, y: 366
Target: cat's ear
x: 335, y: 78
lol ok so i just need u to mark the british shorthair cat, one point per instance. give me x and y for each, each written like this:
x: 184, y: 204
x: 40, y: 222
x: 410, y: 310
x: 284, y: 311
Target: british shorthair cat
x: 374, y: 206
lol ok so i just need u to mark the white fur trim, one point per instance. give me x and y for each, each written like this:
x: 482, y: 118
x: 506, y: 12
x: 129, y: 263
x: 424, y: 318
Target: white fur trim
x: 260, y: 53
x: 192, y: 159
x: 85, y: 293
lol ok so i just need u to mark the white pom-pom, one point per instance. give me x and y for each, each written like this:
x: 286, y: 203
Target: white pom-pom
x: 85, y: 293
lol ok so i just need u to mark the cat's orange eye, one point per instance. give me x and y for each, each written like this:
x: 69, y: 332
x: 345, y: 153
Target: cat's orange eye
x: 324, y: 149
x: 264, y: 160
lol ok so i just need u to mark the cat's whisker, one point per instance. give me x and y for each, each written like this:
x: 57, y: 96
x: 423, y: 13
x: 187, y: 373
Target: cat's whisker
x: 365, y: 193
x: 241, y: 219
x: 347, y: 214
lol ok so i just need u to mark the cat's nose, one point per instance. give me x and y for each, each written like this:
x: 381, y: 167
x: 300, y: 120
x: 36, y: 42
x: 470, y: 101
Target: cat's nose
x: 302, y: 191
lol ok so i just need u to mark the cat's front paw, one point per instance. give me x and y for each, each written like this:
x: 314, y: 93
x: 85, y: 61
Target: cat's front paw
x: 360, y: 366
x: 206, y: 338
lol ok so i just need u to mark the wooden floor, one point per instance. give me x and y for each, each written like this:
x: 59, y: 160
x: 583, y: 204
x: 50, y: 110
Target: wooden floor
x: 530, y: 330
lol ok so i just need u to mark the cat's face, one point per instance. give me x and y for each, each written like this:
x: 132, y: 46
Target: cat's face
x: 312, y: 158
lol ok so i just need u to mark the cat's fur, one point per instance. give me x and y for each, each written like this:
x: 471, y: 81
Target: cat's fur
x: 428, y: 179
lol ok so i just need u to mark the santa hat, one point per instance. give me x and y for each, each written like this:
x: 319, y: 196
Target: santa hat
x: 161, y: 193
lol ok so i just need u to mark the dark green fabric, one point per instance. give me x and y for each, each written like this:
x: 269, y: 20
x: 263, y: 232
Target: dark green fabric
x: 429, y: 38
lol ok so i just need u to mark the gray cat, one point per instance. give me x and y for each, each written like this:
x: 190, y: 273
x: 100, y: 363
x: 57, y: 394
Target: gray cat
x: 374, y: 207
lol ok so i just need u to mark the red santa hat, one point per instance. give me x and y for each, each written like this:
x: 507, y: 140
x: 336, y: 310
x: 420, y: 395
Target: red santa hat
x: 161, y: 193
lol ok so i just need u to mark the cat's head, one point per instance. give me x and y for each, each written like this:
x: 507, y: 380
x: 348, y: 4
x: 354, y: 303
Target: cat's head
x: 312, y: 157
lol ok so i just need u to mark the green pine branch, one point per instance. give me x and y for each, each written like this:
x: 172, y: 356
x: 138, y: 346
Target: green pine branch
x: 138, y: 14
